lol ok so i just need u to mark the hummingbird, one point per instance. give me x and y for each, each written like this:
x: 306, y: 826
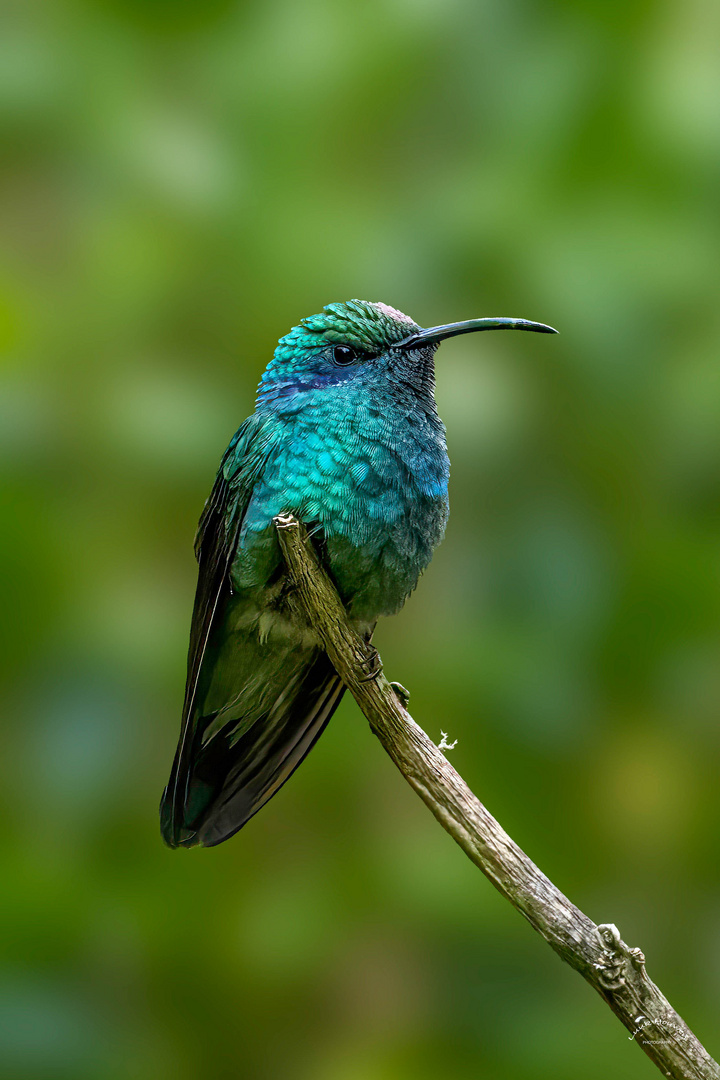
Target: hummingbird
x: 346, y: 436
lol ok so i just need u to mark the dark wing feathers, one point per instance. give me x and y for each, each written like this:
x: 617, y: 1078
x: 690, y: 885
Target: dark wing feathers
x: 252, y: 710
x: 266, y: 755
x: 215, y: 545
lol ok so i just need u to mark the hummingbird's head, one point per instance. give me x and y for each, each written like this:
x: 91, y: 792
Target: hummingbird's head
x: 361, y: 341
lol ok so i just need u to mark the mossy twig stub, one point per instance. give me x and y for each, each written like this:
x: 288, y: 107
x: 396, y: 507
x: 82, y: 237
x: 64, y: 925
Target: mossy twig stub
x: 597, y: 952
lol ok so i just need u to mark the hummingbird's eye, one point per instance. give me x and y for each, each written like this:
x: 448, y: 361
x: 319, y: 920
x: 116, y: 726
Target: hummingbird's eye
x: 344, y: 355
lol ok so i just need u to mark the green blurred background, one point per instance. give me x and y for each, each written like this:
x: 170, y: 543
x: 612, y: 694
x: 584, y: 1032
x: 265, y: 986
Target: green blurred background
x: 185, y: 180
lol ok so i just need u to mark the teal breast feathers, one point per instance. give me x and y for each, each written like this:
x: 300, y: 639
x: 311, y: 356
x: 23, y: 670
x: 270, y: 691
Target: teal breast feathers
x: 376, y: 485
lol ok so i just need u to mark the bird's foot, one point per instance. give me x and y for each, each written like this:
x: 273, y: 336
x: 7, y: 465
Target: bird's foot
x: 371, y: 665
x: 401, y: 694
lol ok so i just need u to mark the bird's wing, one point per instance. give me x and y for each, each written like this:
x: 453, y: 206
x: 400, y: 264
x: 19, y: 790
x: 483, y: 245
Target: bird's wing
x: 215, y: 545
x: 233, y: 777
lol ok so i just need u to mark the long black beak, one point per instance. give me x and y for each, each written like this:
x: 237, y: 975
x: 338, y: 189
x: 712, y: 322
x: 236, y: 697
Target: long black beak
x: 438, y: 333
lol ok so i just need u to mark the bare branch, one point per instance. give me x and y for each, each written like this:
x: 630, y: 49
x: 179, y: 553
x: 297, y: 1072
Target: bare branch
x: 616, y: 971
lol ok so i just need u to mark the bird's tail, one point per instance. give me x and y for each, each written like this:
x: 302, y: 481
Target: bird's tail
x: 230, y: 778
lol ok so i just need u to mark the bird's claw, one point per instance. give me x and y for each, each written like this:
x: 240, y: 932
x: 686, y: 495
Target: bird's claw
x: 401, y: 694
x: 371, y: 664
